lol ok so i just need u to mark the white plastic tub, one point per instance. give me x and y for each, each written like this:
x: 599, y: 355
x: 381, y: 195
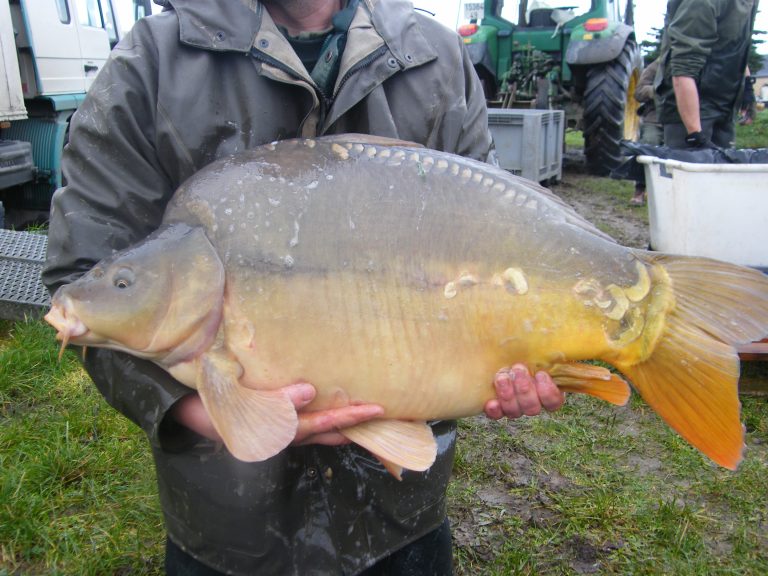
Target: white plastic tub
x: 714, y: 210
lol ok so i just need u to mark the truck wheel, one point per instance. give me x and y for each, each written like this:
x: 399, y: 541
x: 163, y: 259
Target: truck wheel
x: 610, y: 109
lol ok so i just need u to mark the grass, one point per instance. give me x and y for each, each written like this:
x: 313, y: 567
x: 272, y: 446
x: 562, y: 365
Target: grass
x: 574, y: 139
x: 756, y: 134
x: 77, y: 492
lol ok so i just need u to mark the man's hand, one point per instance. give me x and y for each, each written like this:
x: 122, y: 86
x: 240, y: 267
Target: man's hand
x: 314, y: 427
x: 697, y: 140
x: 520, y: 394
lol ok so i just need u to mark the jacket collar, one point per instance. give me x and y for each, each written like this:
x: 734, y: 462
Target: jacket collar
x: 224, y: 25
x: 397, y: 25
x: 230, y: 25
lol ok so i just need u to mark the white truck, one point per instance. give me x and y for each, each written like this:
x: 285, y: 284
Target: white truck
x: 50, y: 53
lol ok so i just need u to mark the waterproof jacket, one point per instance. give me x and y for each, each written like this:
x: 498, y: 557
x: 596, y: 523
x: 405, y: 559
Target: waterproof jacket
x: 197, y: 82
x: 708, y: 40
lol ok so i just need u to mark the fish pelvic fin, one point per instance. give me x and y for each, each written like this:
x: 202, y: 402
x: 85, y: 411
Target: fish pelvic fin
x: 254, y: 424
x: 690, y: 373
x: 398, y: 444
x: 593, y: 380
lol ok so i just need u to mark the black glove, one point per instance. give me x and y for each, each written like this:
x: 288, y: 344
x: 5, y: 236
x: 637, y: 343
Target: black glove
x: 697, y: 140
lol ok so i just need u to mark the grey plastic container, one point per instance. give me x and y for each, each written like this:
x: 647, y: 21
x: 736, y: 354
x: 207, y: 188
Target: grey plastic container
x: 529, y: 143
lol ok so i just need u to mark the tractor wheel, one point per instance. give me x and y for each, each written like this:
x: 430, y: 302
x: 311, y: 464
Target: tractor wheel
x: 610, y: 109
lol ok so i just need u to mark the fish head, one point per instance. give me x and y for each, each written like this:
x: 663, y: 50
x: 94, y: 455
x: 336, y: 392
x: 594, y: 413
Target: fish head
x: 156, y: 299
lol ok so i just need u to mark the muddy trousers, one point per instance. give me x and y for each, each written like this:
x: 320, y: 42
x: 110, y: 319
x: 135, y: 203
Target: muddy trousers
x: 430, y: 555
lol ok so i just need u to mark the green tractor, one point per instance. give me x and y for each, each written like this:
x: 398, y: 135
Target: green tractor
x: 580, y: 56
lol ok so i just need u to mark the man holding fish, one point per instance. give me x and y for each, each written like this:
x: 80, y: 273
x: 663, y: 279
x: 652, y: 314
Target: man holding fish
x: 199, y: 82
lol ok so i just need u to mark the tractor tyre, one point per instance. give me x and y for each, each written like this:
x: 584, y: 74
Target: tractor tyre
x: 610, y: 109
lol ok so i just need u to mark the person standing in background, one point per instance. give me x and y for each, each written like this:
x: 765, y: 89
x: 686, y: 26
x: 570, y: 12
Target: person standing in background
x: 700, y: 79
x: 651, y: 131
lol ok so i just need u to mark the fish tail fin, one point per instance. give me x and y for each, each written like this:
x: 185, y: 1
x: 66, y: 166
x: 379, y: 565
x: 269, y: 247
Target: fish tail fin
x: 690, y: 374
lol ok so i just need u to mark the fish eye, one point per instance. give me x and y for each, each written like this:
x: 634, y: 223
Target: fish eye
x: 123, y: 279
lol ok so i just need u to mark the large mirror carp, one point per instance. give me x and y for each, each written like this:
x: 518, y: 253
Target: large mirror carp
x: 383, y: 272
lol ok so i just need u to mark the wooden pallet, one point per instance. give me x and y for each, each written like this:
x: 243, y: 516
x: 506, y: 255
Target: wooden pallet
x: 754, y: 368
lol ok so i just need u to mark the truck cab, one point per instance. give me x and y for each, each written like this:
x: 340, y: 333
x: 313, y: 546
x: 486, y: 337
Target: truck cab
x: 52, y: 51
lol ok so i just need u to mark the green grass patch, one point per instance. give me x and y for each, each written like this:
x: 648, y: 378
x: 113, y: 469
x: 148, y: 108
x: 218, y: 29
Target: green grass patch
x: 574, y: 139
x: 756, y: 134
x: 77, y: 491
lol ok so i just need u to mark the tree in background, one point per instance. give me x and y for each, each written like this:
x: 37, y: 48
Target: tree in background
x: 650, y: 48
x: 755, y: 61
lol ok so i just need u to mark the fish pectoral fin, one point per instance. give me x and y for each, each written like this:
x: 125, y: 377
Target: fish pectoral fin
x: 593, y: 380
x: 397, y: 443
x: 254, y: 424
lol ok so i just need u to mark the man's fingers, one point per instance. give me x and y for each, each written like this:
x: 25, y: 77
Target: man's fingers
x: 551, y: 396
x: 316, y: 423
x: 525, y: 391
x: 492, y: 409
x: 326, y: 439
x: 518, y: 393
x: 506, y: 393
x: 300, y: 394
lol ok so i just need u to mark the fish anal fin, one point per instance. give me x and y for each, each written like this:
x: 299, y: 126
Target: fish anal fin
x: 254, y: 424
x: 593, y: 380
x: 397, y: 443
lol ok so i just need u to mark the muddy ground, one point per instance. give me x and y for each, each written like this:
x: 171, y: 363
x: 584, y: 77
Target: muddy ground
x: 596, y: 199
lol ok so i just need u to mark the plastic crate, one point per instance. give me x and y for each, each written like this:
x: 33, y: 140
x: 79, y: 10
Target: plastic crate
x: 714, y: 210
x: 529, y: 143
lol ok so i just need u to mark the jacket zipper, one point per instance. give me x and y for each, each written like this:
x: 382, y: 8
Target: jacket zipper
x: 322, y: 98
x: 359, y: 66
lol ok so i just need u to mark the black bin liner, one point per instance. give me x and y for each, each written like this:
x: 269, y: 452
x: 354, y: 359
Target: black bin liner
x: 630, y: 169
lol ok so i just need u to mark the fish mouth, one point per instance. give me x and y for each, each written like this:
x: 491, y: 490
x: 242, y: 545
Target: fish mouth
x: 69, y: 328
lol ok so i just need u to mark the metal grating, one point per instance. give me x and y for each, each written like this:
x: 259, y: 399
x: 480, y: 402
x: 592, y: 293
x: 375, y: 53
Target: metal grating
x: 21, y: 261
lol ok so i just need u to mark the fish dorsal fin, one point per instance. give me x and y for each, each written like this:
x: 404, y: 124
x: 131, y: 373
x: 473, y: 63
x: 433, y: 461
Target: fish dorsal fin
x: 410, y: 445
x: 369, y: 139
x: 254, y: 424
x: 593, y: 380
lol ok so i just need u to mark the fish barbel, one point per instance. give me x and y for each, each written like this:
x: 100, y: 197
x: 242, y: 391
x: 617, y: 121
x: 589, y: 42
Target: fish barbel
x: 386, y: 273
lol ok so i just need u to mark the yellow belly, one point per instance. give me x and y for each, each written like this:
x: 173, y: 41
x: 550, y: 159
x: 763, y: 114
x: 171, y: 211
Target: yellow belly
x: 424, y: 353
